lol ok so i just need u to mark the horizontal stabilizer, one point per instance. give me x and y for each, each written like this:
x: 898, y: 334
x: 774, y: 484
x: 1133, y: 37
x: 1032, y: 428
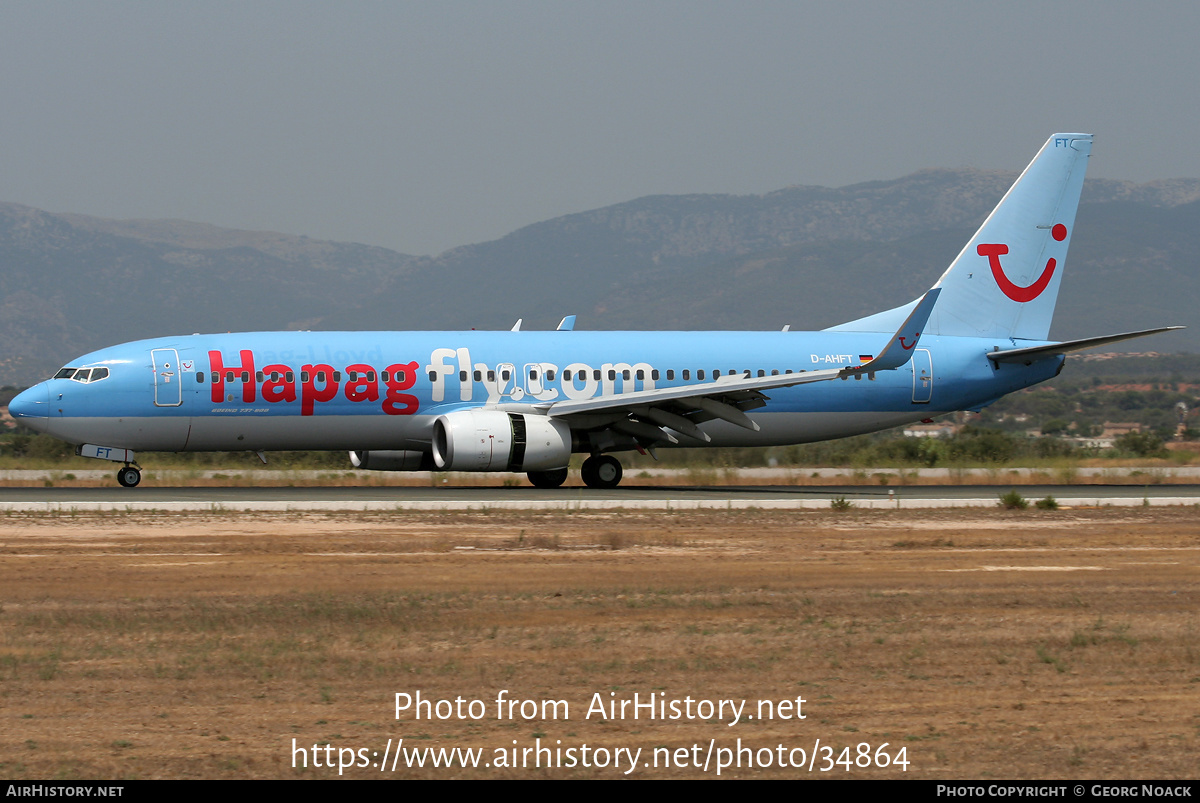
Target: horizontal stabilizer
x: 1027, y: 355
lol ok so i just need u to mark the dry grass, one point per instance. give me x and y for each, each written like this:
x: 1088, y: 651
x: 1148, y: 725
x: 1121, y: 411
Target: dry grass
x: 987, y: 643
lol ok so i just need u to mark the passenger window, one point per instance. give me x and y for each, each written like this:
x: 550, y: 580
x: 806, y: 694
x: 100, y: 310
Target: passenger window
x: 216, y: 377
x: 199, y: 377
x: 321, y: 377
x: 399, y: 376
x: 596, y: 374
x: 505, y: 375
x: 337, y: 376
x: 532, y: 374
x: 700, y: 374
x: 687, y: 374
x: 371, y: 376
x: 289, y: 377
x: 653, y: 374
x: 433, y: 376
x: 479, y: 376
x: 625, y: 374
x: 462, y: 376
x: 229, y: 376
x: 670, y: 374
x: 274, y: 376
x: 491, y: 376
x: 258, y: 376
x: 774, y: 372
x: 304, y: 376
x: 716, y: 373
x: 612, y: 375
x: 352, y: 375
x: 245, y: 376
x: 550, y: 376
x: 566, y: 376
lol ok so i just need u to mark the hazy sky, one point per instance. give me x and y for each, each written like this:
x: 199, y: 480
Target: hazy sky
x: 422, y: 126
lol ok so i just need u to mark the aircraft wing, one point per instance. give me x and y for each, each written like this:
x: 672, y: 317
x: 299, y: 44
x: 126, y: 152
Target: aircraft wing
x: 645, y: 413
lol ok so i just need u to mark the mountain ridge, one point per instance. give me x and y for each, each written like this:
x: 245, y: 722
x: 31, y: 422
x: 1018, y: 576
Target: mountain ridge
x: 805, y: 255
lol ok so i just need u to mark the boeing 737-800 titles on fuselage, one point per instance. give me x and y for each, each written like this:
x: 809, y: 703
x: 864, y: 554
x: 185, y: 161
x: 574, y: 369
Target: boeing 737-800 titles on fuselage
x: 527, y: 401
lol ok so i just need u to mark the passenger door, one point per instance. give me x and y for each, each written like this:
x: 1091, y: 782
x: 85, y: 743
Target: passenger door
x: 168, y: 379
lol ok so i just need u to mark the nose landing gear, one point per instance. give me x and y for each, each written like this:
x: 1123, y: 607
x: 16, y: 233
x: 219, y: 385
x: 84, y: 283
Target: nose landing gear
x: 129, y: 476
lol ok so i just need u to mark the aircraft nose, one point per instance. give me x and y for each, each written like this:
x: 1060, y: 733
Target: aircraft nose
x: 31, y: 403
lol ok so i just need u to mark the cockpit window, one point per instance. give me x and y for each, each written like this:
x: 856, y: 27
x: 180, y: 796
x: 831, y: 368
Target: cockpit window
x: 84, y: 375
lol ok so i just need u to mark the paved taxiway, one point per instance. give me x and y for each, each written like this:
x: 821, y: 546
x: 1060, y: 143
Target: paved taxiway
x: 576, y: 498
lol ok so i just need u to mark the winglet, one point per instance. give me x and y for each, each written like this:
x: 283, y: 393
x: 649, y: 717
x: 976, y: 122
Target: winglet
x: 899, y: 349
x: 566, y: 324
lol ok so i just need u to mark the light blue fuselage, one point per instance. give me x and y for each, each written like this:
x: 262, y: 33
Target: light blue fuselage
x: 152, y: 398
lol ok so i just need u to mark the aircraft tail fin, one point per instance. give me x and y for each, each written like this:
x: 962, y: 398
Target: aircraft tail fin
x: 1005, y: 282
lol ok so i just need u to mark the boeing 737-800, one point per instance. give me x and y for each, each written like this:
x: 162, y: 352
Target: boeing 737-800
x: 526, y: 401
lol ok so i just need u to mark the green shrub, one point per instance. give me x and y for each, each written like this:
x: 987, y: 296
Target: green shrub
x: 1049, y: 503
x: 1013, y: 501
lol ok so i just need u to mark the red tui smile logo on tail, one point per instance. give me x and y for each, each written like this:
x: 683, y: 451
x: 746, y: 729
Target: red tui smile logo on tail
x: 993, y: 252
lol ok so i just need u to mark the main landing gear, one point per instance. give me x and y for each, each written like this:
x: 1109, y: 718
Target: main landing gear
x: 599, y: 471
x: 129, y: 476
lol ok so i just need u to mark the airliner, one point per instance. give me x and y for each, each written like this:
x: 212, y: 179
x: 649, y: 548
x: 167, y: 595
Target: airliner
x: 526, y: 401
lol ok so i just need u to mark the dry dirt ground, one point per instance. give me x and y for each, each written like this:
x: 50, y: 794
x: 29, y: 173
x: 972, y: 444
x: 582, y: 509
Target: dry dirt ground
x: 1037, y: 644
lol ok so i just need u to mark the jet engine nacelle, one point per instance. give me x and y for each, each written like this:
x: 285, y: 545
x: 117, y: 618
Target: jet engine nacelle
x: 493, y: 440
x: 387, y: 460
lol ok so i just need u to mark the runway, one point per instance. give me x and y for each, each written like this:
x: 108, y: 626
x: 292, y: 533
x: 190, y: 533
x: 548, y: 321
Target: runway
x: 631, y: 497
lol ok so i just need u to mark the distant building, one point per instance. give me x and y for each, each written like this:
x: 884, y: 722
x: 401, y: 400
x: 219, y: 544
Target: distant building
x: 944, y: 429
x: 1115, y: 429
